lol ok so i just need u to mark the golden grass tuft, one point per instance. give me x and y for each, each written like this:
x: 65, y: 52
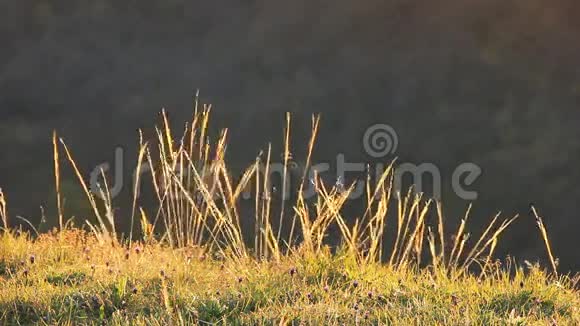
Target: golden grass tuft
x: 178, y: 268
x: 198, y: 202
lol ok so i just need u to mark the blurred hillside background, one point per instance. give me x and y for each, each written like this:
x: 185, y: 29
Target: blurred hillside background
x: 494, y: 82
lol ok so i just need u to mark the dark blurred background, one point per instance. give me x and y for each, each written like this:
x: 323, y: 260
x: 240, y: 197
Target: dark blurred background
x: 494, y: 82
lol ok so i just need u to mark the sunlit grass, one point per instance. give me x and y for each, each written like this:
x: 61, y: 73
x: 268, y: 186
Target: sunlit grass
x: 72, y: 278
x: 189, y: 261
